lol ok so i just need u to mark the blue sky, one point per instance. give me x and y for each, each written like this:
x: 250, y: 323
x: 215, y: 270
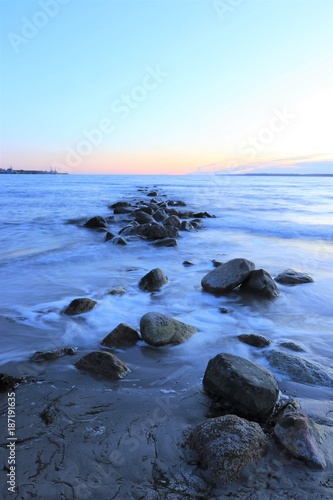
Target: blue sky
x: 166, y: 86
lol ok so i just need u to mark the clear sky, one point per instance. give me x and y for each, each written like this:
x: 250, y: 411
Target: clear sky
x: 166, y: 86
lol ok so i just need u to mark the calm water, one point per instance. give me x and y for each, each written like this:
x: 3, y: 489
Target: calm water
x: 278, y: 222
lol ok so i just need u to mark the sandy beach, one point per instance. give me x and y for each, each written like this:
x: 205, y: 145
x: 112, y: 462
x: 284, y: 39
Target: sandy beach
x: 83, y: 437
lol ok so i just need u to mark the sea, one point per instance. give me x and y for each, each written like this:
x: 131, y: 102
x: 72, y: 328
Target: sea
x: 48, y: 259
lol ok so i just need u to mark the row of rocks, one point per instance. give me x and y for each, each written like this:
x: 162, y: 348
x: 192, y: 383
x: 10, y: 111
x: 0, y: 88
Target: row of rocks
x: 156, y: 329
x: 234, y: 274
x: 154, y: 220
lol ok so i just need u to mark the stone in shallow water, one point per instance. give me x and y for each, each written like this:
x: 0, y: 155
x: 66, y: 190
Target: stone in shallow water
x: 292, y: 346
x: 250, y: 389
x: 227, y: 276
x: 122, y: 336
x: 292, y: 277
x: 226, y: 444
x: 96, y: 223
x: 158, y: 329
x: 300, y: 369
x: 103, y: 363
x: 153, y: 280
x: 254, y: 340
x: 260, y: 283
x: 80, y: 306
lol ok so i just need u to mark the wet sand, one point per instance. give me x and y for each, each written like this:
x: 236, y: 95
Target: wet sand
x: 125, y: 439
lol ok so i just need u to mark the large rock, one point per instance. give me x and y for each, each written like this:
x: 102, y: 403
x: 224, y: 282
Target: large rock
x: 228, y: 276
x: 300, y: 369
x: 152, y: 231
x: 153, y: 280
x: 103, y: 363
x: 299, y: 435
x: 122, y: 336
x: 80, y: 306
x: 173, y: 221
x: 260, y: 282
x: 226, y: 444
x: 160, y: 215
x: 96, y: 223
x: 143, y: 218
x: 292, y: 277
x: 249, y: 389
x: 158, y: 329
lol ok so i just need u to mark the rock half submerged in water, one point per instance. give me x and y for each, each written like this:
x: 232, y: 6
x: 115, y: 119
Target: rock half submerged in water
x: 228, y: 276
x: 103, y: 363
x: 80, y: 306
x: 122, y: 336
x: 158, y: 329
x: 300, y: 369
x: 292, y: 277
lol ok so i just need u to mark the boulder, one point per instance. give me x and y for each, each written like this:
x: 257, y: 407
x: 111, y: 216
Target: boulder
x: 143, y: 218
x: 153, y: 280
x: 153, y: 231
x: 166, y: 242
x: 292, y: 277
x: 227, y: 276
x: 159, y: 329
x: 80, y: 306
x: 41, y: 356
x: 299, y: 369
x: 173, y: 221
x: 96, y: 223
x: 298, y: 434
x: 152, y: 193
x: 248, y: 388
x: 160, y: 215
x: 103, y: 363
x: 260, y: 282
x: 254, y: 340
x: 122, y: 336
x: 227, y: 444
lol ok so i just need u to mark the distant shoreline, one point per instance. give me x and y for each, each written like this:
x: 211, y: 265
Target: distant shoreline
x: 31, y: 172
